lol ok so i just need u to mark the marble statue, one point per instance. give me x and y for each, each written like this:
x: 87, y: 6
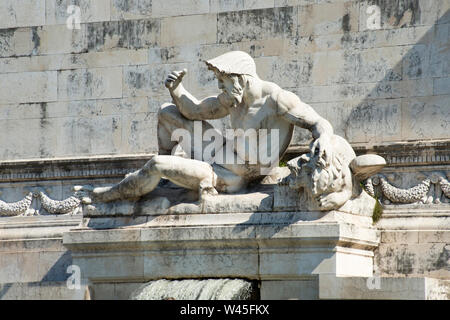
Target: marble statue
x: 251, y: 103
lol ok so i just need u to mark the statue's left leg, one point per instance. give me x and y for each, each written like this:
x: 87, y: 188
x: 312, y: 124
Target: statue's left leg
x: 187, y: 173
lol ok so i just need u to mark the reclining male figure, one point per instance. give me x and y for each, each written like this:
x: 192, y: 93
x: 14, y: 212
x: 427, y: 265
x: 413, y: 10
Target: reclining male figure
x: 251, y: 103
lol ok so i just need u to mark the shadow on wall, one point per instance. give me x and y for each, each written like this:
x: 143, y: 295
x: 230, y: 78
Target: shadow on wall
x: 57, y: 273
x: 412, y: 101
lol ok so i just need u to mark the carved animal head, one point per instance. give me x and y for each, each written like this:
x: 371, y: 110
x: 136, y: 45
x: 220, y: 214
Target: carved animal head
x: 308, y: 171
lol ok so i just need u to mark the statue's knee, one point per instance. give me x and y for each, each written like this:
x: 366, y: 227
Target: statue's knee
x: 151, y: 165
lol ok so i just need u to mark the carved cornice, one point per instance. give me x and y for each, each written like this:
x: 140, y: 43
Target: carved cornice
x: 399, y: 154
x: 70, y: 168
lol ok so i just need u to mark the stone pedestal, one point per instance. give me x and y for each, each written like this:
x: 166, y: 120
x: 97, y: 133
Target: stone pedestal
x: 275, y: 248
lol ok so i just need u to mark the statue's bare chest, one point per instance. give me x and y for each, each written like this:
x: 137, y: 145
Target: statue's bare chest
x: 257, y: 116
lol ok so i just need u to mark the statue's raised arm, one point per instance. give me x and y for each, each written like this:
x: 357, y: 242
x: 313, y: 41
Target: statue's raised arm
x: 214, y: 107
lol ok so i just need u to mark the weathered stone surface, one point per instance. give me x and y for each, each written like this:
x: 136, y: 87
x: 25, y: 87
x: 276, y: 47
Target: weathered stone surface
x: 74, y: 61
x: 256, y: 24
x: 90, y: 84
x: 28, y: 87
x: 441, y: 86
x: 166, y: 8
x: 331, y: 287
x: 202, y: 30
x: 130, y: 9
x: 229, y: 246
x: 328, y: 18
x: 290, y: 289
x: 54, y: 39
x: 426, y: 117
x: 384, y: 115
x: 143, y: 80
x: 398, y: 14
x: 18, y: 42
x: 90, y: 11
x: 129, y: 34
x: 21, y: 13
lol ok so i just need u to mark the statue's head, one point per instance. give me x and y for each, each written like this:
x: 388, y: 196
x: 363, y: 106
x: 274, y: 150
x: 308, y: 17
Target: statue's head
x: 232, y: 70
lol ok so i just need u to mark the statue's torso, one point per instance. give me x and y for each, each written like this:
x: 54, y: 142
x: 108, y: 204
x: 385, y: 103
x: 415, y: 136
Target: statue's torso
x: 261, y: 116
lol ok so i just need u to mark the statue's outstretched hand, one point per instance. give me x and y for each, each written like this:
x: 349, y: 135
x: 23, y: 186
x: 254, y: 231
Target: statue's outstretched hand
x: 174, y: 79
x: 322, y: 148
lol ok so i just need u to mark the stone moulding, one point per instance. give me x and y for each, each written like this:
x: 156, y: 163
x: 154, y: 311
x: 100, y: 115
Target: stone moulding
x: 411, y: 195
x: 71, y: 205
x: 419, y: 194
x: 59, y: 207
x: 376, y: 186
x: 16, y: 208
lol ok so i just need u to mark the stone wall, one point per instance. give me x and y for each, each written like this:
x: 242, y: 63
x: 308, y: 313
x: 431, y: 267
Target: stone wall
x: 96, y: 90
x: 79, y: 106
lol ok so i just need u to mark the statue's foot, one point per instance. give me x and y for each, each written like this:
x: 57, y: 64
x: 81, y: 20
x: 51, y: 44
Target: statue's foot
x: 84, y: 193
x: 105, y: 194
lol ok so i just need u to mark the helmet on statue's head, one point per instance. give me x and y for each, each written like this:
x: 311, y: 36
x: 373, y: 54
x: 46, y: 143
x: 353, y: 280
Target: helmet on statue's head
x: 233, y: 62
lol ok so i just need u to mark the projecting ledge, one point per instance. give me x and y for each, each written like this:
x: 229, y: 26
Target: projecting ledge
x: 246, y: 245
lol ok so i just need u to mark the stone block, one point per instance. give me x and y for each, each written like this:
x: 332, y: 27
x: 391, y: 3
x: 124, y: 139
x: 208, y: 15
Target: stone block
x: 202, y: 30
x: 290, y: 289
x: 130, y: 9
x: 429, y: 259
x: 42, y: 291
x: 441, y: 86
x: 95, y: 108
x: 98, y: 83
x: 139, y: 133
x: 87, y: 136
x: 90, y: 11
x: 331, y: 287
x: 166, y: 8
x: 379, y: 64
x: 128, y: 34
x: 116, y: 266
x: 328, y: 18
x: 112, y: 291
x: 401, y: 89
x: 28, y: 87
x: 148, y: 80
x: 258, y: 24
x: 425, y: 117
x: 226, y: 5
x: 416, y: 62
x: 443, y: 15
x: 375, y: 120
x: 258, y: 4
x: 18, y: 42
x: 336, y: 113
x: 54, y: 39
x: 22, y: 13
x: 399, y: 14
x: 439, y: 49
x: 286, y: 72
x: 209, y: 263
x: 74, y: 61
